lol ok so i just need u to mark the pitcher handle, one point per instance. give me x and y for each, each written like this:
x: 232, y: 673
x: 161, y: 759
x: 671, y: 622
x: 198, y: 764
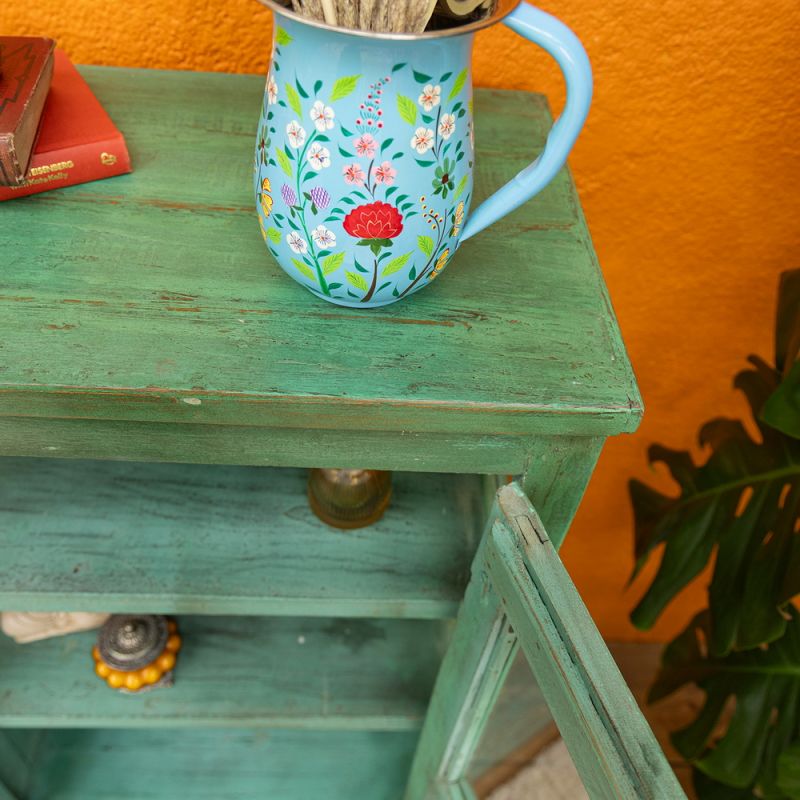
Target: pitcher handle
x: 565, y: 47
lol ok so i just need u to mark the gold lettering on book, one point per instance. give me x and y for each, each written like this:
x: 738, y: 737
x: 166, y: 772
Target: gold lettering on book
x: 55, y: 176
x: 46, y: 168
x: 108, y: 159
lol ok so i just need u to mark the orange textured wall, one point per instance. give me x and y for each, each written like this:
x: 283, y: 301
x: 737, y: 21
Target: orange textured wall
x: 689, y: 171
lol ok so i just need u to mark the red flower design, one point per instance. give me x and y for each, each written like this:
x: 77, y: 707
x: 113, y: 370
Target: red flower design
x: 374, y: 221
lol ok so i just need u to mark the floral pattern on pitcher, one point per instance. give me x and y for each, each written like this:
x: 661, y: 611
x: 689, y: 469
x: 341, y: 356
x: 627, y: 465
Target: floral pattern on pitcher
x: 334, y: 163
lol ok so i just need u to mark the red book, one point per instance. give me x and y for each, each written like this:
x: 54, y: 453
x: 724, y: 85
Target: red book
x: 77, y: 141
x: 26, y: 67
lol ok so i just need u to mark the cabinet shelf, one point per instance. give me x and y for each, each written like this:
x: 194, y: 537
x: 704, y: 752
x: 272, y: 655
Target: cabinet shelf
x: 219, y: 765
x: 197, y: 539
x: 246, y: 672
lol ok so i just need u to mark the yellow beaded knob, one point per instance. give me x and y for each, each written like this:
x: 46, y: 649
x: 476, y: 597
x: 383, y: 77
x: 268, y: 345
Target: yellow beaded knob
x: 136, y: 652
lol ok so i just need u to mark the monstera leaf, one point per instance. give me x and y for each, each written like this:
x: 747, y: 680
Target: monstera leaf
x: 757, y: 755
x: 782, y: 409
x: 744, y: 501
x: 742, y: 504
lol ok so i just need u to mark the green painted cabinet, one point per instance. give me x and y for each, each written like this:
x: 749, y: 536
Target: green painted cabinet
x: 162, y: 387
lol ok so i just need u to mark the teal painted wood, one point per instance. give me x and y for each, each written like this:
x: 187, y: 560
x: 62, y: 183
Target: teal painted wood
x: 222, y: 765
x: 161, y: 275
x: 17, y: 749
x: 196, y: 539
x: 519, y: 714
x: 238, y: 672
x: 278, y: 447
x: 614, y: 750
x: 472, y: 674
x: 556, y: 475
x: 520, y: 594
x: 474, y: 670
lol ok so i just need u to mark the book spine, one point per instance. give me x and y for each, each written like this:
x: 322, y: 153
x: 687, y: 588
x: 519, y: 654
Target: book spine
x: 70, y: 166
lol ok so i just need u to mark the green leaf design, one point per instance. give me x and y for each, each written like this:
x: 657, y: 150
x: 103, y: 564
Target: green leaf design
x: 281, y: 37
x: 332, y: 263
x: 344, y: 86
x: 395, y: 265
x: 765, y: 683
x: 305, y: 270
x: 294, y: 99
x: 462, y: 184
x: 421, y: 77
x: 458, y: 84
x: 284, y: 162
x: 407, y: 109
x: 425, y: 244
x: 354, y: 279
x: 274, y: 234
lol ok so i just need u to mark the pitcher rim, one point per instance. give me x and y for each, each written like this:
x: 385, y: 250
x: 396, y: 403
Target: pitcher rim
x: 503, y: 9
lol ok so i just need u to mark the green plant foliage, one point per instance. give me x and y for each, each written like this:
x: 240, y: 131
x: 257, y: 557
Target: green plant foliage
x: 744, y: 500
x: 782, y: 409
x: 765, y: 721
x: 741, y: 509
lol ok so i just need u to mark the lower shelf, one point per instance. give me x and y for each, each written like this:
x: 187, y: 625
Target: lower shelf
x: 238, y: 672
x: 220, y: 765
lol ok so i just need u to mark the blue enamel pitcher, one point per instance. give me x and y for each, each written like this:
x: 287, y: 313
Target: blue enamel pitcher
x: 365, y: 152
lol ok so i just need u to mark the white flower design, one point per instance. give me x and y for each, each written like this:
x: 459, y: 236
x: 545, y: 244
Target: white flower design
x: 296, y: 133
x: 322, y: 116
x: 318, y: 156
x: 272, y: 91
x: 422, y: 140
x: 447, y: 125
x: 297, y: 242
x: 323, y: 238
x: 430, y: 96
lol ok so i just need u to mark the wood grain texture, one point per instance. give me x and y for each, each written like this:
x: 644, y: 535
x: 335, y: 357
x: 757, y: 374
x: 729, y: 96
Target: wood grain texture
x: 556, y: 476
x: 169, y: 538
x: 473, y: 670
x: 238, y: 672
x: 222, y: 765
x: 150, y: 298
x: 614, y: 750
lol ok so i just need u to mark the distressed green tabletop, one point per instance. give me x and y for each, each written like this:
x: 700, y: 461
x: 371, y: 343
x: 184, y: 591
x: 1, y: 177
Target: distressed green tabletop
x: 142, y: 316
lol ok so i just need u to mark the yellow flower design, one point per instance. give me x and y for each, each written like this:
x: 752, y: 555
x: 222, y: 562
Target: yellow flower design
x: 441, y: 262
x: 266, y: 197
x: 458, y: 218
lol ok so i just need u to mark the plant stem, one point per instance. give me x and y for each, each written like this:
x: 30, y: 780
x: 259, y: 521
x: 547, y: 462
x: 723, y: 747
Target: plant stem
x: 741, y: 483
x: 368, y: 296
x: 320, y: 276
x: 424, y: 270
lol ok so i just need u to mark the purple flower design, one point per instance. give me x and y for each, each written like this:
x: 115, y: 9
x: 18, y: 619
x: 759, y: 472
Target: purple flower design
x: 289, y: 197
x: 320, y: 197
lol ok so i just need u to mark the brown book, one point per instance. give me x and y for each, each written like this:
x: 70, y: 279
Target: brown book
x: 26, y: 68
x: 77, y: 142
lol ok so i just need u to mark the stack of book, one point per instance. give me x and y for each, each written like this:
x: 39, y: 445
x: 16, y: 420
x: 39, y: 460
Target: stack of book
x: 53, y: 130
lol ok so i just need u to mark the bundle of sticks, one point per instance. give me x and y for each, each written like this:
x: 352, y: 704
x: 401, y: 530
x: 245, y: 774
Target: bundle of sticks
x: 396, y: 16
